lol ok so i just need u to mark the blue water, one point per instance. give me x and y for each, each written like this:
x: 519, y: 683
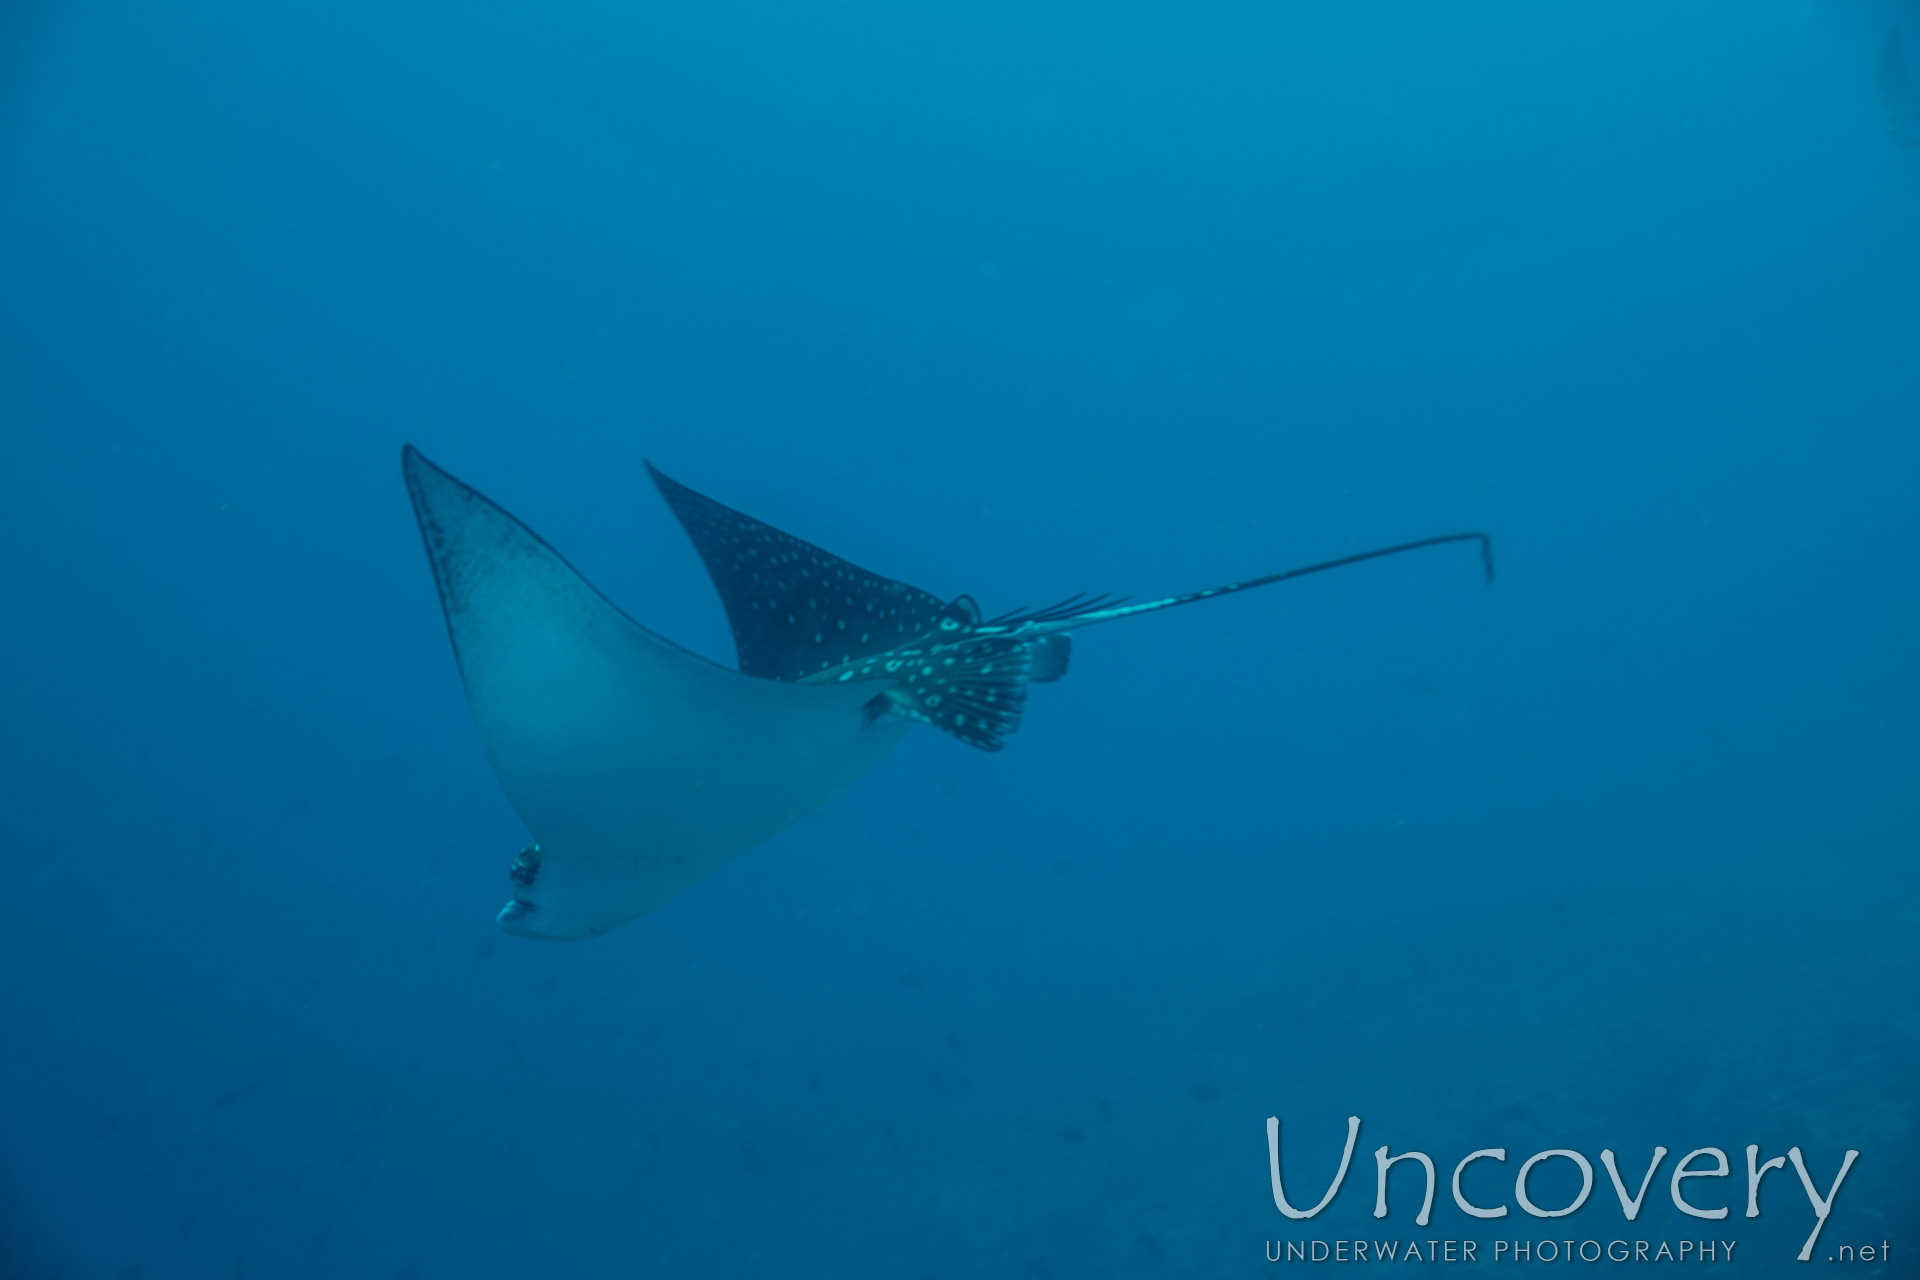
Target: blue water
x: 1015, y: 300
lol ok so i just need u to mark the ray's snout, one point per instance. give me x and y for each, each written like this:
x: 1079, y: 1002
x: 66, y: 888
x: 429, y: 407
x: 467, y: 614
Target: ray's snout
x: 524, y: 919
x: 523, y: 916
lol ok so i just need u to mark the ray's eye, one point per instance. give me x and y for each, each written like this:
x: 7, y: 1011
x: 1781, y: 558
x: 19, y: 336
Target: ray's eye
x: 526, y: 867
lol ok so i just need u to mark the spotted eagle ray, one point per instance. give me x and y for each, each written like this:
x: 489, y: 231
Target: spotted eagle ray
x: 639, y: 767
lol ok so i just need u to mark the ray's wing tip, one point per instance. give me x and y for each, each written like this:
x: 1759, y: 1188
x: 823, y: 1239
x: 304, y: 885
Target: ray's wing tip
x: 669, y: 487
x: 426, y: 478
x: 415, y: 464
x: 414, y: 468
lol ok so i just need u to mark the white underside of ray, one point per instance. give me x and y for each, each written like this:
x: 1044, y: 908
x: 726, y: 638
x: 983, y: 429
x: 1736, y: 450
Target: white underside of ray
x: 638, y: 767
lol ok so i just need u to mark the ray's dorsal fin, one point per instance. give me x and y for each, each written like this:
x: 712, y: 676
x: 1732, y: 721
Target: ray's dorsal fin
x: 795, y: 609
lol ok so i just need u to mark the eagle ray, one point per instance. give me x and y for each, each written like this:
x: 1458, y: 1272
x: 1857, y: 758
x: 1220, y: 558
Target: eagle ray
x: 639, y: 767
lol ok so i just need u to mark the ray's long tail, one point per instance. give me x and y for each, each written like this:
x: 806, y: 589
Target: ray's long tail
x: 1049, y: 621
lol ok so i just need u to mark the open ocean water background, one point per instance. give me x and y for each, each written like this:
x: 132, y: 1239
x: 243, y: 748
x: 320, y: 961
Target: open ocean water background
x: 1011, y: 299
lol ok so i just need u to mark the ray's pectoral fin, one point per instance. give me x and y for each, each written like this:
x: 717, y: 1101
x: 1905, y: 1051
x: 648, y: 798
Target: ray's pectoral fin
x: 802, y: 614
x: 971, y: 686
x: 637, y: 766
x: 797, y: 610
x: 975, y: 690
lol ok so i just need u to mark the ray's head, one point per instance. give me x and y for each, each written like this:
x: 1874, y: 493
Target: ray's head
x: 526, y: 915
